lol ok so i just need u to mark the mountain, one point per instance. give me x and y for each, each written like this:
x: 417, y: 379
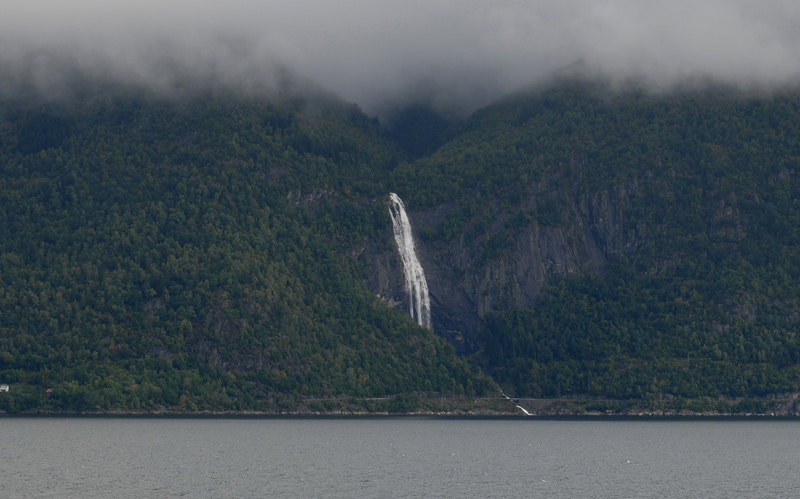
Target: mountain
x: 193, y: 256
x: 584, y: 245
x: 590, y: 243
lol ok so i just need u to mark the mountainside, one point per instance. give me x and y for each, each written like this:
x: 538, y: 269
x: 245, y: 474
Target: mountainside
x: 226, y: 254
x: 619, y: 245
x: 187, y: 256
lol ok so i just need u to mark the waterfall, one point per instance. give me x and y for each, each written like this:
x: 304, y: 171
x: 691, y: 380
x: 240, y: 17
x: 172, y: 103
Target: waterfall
x: 525, y: 411
x: 419, y: 302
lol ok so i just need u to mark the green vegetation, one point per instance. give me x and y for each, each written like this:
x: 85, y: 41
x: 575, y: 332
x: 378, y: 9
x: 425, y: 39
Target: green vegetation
x: 188, y: 255
x: 693, y: 199
x: 625, y: 336
x: 194, y: 255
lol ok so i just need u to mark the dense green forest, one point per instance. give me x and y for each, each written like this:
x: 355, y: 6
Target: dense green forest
x: 212, y: 253
x: 161, y: 254
x: 700, y: 292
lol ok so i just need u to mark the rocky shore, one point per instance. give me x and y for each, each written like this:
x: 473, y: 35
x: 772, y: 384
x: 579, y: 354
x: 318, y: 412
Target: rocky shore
x: 783, y: 405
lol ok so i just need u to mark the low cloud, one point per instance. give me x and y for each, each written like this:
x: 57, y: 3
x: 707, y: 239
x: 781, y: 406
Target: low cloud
x: 457, y: 55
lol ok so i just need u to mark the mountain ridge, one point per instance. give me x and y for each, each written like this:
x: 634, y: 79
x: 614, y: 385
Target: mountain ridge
x: 213, y: 254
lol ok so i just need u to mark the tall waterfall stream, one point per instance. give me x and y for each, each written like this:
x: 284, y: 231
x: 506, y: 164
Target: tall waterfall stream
x: 419, y: 302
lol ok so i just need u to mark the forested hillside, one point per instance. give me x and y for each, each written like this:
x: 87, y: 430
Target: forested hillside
x: 623, y: 245
x: 219, y: 253
x: 191, y: 256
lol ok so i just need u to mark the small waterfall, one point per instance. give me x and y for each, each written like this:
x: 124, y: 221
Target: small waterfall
x: 525, y: 411
x: 419, y: 302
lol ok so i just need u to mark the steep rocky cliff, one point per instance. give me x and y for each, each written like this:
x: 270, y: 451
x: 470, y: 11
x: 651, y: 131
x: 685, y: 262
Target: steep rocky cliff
x: 512, y: 259
x: 615, y: 244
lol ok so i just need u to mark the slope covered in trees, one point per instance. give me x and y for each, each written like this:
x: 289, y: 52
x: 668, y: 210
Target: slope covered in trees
x: 225, y: 254
x: 187, y: 255
x: 689, y: 206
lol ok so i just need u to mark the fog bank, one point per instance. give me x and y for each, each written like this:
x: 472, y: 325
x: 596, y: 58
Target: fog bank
x: 455, y: 55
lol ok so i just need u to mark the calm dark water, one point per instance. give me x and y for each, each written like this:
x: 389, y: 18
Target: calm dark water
x: 403, y: 457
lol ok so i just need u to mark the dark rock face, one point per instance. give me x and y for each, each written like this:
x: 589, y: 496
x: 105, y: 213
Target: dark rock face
x: 465, y: 284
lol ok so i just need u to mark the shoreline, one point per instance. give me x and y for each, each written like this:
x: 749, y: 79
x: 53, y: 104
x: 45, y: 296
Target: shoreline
x: 476, y: 417
x: 586, y: 416
x: 777, y: 406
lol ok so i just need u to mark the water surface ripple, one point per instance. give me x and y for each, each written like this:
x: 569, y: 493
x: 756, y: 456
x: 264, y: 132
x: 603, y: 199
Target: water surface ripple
x: 397, y: 457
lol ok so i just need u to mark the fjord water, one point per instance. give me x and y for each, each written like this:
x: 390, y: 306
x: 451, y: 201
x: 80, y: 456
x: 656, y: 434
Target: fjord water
x: 397, y: 457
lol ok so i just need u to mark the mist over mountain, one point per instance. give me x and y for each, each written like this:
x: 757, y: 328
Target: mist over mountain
x: 604, y: 200
x: 457, y: 56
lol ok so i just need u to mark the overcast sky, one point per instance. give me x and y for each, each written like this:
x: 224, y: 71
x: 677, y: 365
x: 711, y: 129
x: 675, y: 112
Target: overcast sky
x: 378, y: 53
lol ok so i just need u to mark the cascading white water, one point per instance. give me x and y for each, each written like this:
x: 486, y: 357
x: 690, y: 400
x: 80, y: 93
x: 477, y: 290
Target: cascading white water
x: 525, y: 411
x: 419, y: 302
